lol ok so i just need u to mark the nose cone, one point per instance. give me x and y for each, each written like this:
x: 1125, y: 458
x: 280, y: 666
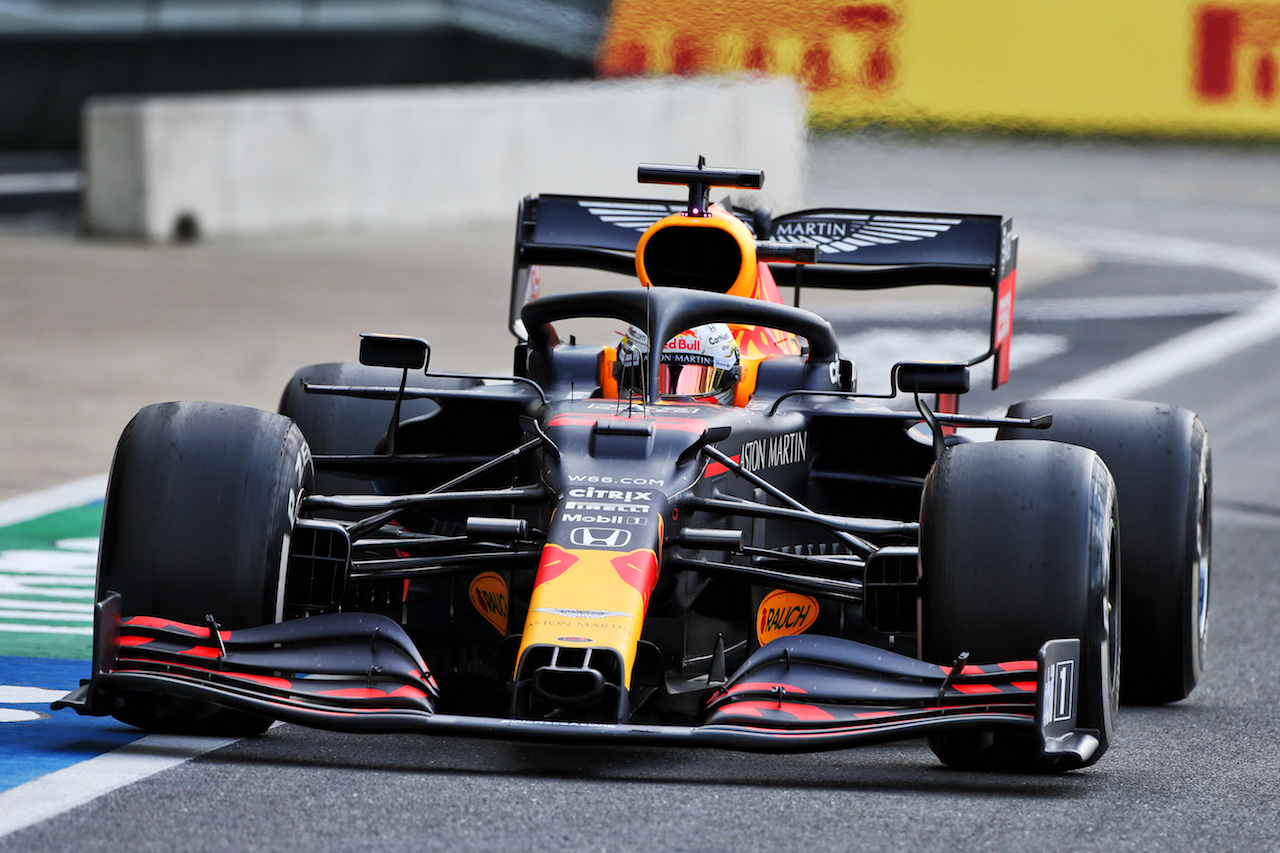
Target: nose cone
x: 592, y: 597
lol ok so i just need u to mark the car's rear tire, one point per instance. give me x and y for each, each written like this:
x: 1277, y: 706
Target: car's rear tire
x: 339, y: 425
x: 1160, y: 458
x: 200, y: 508
x: 1018, y: 546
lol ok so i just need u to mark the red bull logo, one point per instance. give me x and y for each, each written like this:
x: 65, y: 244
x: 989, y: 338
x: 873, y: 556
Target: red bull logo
x: 758, y: 342
x: 639, y: 569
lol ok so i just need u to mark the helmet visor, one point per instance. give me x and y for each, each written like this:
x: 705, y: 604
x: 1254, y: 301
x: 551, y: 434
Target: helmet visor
x: 693, y: 380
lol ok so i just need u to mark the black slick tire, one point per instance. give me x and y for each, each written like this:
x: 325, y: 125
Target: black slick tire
x: 1018, y: 546
x: 340, y: 425
x: 1160, y: 458
x: 200, y: 507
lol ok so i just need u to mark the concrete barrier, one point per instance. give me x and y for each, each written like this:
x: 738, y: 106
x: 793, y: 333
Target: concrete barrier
x: 399, y: 158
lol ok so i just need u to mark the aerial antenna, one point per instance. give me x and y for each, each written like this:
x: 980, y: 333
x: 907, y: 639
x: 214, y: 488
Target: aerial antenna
x: 628, y: 351
x: 699, y: 193
x: 648, y: 322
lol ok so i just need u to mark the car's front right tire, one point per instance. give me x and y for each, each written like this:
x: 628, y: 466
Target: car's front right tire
x: 1018, y: 546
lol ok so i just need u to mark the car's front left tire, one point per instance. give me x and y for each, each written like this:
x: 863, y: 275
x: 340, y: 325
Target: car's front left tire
x: 1160, y: 458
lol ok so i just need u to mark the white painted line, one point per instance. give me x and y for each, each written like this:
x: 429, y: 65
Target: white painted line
x: 1173, y: 251
x: 18, y: 695
x: 1080, y: 308
x: 51, y: 795
x: 39, y: 623
x: 878, y: 348
x: 62, y: 790
x: 28, y: 605
x: 14, y: 715
x: 1258, y: 322
x: 1139, y: 307
x: 13, y: 628
x: 1195, y: 349
x: 1187, y: 352
x: 62, y: 614
x: 36, y: 504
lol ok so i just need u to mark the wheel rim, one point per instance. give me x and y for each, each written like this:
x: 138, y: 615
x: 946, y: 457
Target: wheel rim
x: 1204, y: 535
x: 1106, y: 626
x: 1112, y: 605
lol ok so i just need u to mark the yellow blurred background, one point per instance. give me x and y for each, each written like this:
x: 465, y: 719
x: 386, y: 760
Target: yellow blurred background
x: 1139, y: 67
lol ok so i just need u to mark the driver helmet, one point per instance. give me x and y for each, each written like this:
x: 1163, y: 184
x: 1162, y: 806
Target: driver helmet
x: 699, y: 363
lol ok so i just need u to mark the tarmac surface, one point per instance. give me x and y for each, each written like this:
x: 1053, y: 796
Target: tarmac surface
x: 94, y: 330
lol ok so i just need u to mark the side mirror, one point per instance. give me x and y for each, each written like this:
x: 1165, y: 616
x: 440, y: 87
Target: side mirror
x: 796, y: 253
x: 848, y: 375
x: 931, y: 378
x: 394, y: 351
x: 710, y: 435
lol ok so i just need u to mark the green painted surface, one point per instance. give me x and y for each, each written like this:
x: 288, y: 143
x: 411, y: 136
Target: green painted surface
x: 46, y: 584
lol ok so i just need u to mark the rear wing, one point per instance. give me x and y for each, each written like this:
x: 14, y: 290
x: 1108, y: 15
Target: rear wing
x: 856, y: 250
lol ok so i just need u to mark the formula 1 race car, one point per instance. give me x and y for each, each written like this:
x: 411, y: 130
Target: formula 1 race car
x: 700, y: 535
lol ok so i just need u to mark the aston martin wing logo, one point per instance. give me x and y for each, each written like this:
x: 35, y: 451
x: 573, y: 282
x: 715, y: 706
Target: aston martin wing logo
x: 848, y: 232
x: 580, y: 614
x: 634, y: 216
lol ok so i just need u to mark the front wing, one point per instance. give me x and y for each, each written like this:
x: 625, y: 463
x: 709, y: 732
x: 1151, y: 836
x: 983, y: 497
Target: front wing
x: 361, y: 673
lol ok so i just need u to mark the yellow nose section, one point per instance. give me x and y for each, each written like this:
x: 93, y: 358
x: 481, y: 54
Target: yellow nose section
x: 591, y: 599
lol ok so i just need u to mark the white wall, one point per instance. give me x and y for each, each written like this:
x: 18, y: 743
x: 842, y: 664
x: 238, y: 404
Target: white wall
x: 398, y: 158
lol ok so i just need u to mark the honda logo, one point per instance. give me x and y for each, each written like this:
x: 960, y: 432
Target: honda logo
x: 600, y: 537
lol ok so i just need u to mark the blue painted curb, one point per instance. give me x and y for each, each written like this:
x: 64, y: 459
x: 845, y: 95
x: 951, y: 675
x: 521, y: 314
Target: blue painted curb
x: 33, y: 748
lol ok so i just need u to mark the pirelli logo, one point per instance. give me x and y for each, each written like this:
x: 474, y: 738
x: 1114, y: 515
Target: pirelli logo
x: 597, y: 506
x: 1236, y: 50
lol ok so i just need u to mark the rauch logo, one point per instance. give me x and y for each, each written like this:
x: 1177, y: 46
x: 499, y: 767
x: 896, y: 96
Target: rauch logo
x: 488, y: 593
x: 783, y: 614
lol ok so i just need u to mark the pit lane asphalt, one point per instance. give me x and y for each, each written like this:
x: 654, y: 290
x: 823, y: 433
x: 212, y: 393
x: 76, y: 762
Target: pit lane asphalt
x: 1200, y: 774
